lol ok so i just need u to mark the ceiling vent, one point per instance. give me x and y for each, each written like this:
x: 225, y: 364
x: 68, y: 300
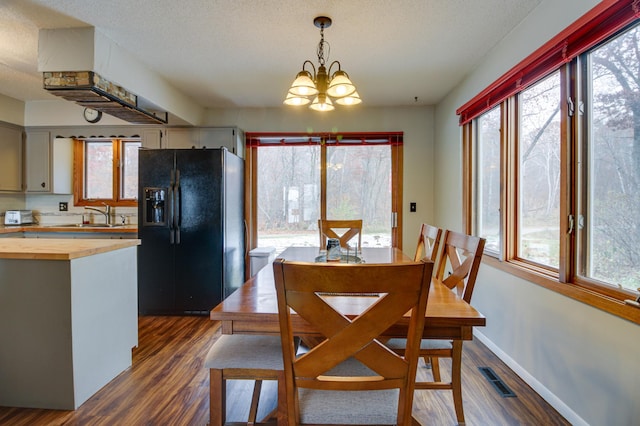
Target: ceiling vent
x: 90, y: 90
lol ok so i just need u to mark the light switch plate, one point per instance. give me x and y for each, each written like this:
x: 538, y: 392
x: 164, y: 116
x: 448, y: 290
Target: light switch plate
x: 412, y: 207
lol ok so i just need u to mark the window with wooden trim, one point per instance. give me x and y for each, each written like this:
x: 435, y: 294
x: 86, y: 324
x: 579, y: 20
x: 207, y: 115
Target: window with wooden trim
x: 562, y: 150
x: 296, y: 179
x: 106, y: 172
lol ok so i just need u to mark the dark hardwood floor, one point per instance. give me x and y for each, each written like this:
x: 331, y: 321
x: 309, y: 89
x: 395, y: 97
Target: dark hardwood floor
x: 167, y: 385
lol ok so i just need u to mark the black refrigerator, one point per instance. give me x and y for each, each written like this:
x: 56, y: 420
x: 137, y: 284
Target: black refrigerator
x: 191, y: 224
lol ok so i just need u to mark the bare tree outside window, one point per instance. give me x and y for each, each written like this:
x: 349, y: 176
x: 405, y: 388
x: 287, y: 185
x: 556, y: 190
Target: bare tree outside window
x: 488, y: 191
x: 539, y: 172
x: 99, y: 170
x: 611, y: 233
x: 289, y: 187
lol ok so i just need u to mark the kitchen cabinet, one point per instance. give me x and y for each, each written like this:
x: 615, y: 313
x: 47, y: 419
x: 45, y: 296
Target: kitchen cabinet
x: 10, y: 157
x: 151, y: 138
x: 49, y: 163
x: 231, y: 138
x: 68, y: 318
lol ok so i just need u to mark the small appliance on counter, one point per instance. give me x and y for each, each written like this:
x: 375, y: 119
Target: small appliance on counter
x: 18, y: 217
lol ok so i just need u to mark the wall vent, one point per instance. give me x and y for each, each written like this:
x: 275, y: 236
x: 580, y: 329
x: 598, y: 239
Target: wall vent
x: 497, y: 382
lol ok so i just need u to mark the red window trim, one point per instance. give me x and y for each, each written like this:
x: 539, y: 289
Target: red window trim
x: 599, y: 23
x: 344, y: 138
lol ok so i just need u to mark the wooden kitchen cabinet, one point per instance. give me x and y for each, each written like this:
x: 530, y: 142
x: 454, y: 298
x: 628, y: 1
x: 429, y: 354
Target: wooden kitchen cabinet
x: 10, y: 158
x: 49, y: 163
x: 231, y: 138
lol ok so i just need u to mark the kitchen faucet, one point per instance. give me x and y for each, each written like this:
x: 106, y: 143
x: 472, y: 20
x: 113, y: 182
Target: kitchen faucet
x: 106, y: 212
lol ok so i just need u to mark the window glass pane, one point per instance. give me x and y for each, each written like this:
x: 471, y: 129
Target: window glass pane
x: 288, y: 196
x: 611, y: 236
x: 129, y: 178
x: 98, y: 170
x: 488, y: 180
x: 359, y: 187
x: 539, y: 172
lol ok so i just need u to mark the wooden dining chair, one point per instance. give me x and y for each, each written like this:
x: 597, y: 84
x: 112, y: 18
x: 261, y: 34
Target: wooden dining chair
x: 351, y: 377
x: 344, y: 230
x: 428, y: 242
x: 457, y: 268
x: 244, y: 357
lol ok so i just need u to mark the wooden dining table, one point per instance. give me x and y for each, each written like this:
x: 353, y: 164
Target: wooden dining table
x: 253, y: 308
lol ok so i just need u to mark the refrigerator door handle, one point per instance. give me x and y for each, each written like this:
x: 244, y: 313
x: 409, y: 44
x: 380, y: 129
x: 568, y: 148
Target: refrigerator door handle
x: 178, y: 201
x: 171, y: 209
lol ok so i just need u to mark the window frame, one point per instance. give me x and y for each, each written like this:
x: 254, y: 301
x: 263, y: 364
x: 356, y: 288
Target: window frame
x: 324, y: 139
x: 79, y: 168
x: 565, y: 279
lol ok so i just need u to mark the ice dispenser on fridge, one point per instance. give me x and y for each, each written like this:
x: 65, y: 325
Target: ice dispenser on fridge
x: 155, y: 212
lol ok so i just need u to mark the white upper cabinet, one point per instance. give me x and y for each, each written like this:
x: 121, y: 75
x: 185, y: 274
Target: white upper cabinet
x: 49, y: 163
x: 206, y: 137
x: 10, y: 158
x: 151, y: 138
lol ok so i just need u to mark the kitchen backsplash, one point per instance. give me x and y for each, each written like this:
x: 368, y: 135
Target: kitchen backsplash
x: 46, y: 210
x: 10, y: 201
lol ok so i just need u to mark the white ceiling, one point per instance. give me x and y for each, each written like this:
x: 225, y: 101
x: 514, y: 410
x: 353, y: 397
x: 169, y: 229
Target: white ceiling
x: 245, y: 53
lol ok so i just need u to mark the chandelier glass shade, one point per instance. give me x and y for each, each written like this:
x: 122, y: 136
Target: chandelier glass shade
x: 321, y: 85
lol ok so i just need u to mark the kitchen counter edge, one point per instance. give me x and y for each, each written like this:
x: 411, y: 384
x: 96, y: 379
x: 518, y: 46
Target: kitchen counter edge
x: 61, y: 228
x: 59, y: 249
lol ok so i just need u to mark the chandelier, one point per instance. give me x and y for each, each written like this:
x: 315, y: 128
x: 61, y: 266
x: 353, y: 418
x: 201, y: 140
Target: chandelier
x: 318, y: 86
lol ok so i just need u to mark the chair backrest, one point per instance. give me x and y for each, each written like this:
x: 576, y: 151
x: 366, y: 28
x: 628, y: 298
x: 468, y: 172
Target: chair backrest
x: 310, y: 290
x: 344, y: 230
x: 460, y: 260
x: 428, y: 242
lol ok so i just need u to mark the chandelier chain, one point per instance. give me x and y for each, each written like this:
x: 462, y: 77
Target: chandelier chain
x: 321, y: 47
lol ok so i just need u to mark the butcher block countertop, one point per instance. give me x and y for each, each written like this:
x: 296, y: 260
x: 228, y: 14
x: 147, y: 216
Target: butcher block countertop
x: 59, y: 249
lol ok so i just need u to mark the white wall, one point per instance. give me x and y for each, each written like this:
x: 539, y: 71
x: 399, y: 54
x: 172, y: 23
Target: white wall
x: 582, y: 360
x: 11, y: 110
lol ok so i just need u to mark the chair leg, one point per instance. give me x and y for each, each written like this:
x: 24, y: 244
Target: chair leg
x: 255, y: 399
x: 435, y: 367
x: 456, y: 380
x: 217, y: 398
x: 282, y: 400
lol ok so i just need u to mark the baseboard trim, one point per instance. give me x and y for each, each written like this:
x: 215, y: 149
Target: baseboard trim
x: 571, y: 416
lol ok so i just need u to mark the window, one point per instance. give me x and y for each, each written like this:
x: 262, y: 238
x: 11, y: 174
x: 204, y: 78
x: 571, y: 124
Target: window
x: 609, y: 217
x: 554, y: 146
x: 539, y: 172
x: 106, y: 171
x: 298, y: 179
x: 488, y: 190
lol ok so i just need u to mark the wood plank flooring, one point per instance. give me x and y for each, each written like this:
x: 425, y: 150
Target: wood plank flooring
x: 167, y: 385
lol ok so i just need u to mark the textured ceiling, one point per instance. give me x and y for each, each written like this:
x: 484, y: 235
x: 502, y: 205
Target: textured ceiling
x: 245, y: 53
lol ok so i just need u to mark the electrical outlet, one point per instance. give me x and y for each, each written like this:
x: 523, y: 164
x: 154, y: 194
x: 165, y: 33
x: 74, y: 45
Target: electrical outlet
x: 63, y: 207
x: 412, y: 207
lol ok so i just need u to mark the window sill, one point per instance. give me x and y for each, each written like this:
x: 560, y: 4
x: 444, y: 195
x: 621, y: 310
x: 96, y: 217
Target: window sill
x: 603, y: 302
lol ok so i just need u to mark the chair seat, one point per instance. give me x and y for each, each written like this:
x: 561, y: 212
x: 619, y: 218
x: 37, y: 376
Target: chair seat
x: 370, y: 407
x: 362, y: 407
x: 425, y: 344
x: 245, y: 351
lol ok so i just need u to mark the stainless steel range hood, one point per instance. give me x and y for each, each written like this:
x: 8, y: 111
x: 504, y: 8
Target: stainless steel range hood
x: 90, y: 90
